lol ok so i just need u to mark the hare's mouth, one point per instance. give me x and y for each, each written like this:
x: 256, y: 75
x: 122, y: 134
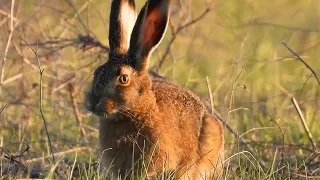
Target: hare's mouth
x: 113, y: 118
x: 101, y: 114
x: 105, y: 114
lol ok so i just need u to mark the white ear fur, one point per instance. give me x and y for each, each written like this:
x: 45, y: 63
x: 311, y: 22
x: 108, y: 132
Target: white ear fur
x: 122, y: 20
x: 127, y: 19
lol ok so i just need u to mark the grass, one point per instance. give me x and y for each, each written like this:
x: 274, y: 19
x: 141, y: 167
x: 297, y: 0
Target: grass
x: 235, y: 49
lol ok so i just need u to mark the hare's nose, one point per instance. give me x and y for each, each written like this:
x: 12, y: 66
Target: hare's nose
x: 92, y: 104
x: 89, y: 105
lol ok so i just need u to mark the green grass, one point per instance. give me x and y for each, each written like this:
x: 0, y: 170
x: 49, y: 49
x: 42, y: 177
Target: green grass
x: 237, y: 45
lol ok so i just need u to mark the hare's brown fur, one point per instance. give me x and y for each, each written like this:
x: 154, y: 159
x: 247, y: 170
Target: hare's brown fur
x: 175, y: 121
x: 146, y: 118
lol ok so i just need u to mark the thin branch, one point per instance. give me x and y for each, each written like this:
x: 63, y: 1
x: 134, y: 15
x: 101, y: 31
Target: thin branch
x: 304, y: 123
x: 281, y: 26
x: 12, y: 158
x: 12, y: 28
x: 3, y: 108
x: 237, y: 136
x: 305, y: 82
x: 297, y: 107
x: 210, y: 93
x: 78, y: 16
x: 6, y: 54
x: 41, y: 94
x: 59, y: 154
x: 76, y: 110
x: 83, y: 42
x: 238, y: 109
x: 283, y: 137
x: 8, y: 15
x: 299, y: 58
x: 12, y: 9
x: 176, y: 32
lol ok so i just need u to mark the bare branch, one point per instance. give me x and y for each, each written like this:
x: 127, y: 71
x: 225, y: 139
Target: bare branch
x: 3, y: 108
x: 304, y: 123
x: 299, y: 58
x: 305, y: 82
x: 297, y: 107
x: 176, y: 32
x: 59, y: 154
x: 210, y: 93
x: 76, y: 110
x: 283, y: 137
x: 255, y: 22
x: 78, y: 16
x: 6, y: 54
x: 41, y: 94
x: 241, y: 139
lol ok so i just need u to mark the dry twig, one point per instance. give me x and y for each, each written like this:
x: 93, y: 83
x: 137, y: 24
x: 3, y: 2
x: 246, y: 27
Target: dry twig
x: 304, y: 123
x: 283, y: 137
x: 59, y: 154
x: 3, y: 108
x: 41, y: 94
x: 237, y: 136
x: 175, y: 33
x: 299, y: 58
x: 76, y: 110
x: 12, y: 28
x: 297, y: 107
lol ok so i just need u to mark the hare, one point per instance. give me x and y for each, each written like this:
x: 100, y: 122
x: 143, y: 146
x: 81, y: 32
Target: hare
x: 146, y: 118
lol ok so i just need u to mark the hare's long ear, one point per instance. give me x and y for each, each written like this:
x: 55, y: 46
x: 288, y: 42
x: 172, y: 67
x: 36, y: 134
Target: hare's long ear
x: 148, y: 32
x: 122, y: 19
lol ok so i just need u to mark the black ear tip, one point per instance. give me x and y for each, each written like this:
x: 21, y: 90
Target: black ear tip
x: 132, y: 3
x: 159, y: 3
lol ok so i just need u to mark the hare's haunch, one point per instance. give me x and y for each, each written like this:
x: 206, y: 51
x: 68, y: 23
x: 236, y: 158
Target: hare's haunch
x: 147, y: 123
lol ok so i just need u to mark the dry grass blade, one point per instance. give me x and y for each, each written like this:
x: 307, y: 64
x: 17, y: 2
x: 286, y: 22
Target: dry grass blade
x: 210, y: 93
x: 306, y: 128
x: 283, y: 137
x: 297, y: 107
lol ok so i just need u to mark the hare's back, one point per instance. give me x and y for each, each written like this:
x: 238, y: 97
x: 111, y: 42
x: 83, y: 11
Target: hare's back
x: 180, y: 101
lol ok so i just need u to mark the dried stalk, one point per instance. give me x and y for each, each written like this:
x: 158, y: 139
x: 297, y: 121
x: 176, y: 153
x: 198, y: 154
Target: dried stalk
x: 210, y: 93
x: 237, y: 136
x: 175, y: 33
x: 283, y: 138
x: 297, y: 107
x: 12, y: 28
x: 304, y: 123
x: 40, y: 99
x: 299, y: 58
x: 3, y: 108
x: 76, y: 110
x: 60, y: 154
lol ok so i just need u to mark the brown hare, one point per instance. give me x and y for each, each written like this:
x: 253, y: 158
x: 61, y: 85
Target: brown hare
x: 146, y: 116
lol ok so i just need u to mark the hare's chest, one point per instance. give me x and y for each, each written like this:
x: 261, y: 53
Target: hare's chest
x: 121, y: 145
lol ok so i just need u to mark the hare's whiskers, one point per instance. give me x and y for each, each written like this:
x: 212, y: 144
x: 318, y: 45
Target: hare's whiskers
x: 125, y: 112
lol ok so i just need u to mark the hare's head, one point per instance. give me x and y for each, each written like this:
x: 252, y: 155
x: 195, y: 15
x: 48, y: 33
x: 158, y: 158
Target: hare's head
x: 121, y: 81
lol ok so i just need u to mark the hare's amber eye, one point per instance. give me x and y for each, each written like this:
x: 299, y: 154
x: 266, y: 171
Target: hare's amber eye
x: 124, y: 79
